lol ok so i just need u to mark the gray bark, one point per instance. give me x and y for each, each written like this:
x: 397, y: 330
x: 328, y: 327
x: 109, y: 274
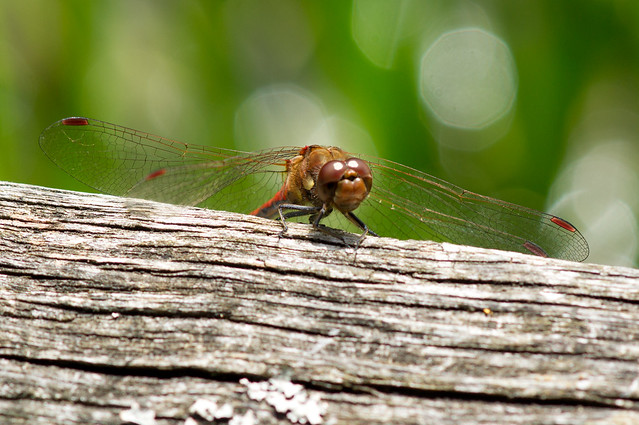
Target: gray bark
x: 117, y: 310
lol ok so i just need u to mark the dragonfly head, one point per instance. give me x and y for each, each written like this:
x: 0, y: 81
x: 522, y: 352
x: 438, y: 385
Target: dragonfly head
x: 344, y: 184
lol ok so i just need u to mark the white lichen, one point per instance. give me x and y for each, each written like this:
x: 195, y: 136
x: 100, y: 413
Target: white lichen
x: 208, y: 409
x: 138, y: 416
x: 288, y: 399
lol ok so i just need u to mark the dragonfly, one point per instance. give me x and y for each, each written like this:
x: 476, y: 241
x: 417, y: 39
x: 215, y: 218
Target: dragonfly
x: 346, y: 191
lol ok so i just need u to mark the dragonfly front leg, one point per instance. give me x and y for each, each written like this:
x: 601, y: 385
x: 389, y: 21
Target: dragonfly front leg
x: 359, y: 223
x: 316, y: 213
x: 298, y: 211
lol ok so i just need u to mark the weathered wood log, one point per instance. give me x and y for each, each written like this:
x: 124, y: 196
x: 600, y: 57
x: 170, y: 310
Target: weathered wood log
x: 117, y: 310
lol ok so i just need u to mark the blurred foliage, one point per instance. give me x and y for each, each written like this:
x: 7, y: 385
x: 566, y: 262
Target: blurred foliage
x: 184, y: 69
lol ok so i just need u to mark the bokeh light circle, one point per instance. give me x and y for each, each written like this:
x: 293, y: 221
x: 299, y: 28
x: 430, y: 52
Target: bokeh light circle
x: 468, y: 79
x: 277, y: 115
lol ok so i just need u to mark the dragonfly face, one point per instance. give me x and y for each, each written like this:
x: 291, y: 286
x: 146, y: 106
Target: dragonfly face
x: 344, y: 184
x: 322, y: 177
x: 319, y: 179
x: 403, y: 202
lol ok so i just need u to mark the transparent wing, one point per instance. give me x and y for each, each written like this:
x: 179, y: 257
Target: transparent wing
x: 408, y: 204
x: 126, y: 162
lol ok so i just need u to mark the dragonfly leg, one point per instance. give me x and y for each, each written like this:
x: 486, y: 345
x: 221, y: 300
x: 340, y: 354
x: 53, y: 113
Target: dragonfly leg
x: 298, y: 211
x: 315, y: 220
x: 316, y: 213
x: 359, y: 223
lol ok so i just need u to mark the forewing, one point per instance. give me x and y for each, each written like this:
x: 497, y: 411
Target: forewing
x: 408, y: 204
x: 126, y: 162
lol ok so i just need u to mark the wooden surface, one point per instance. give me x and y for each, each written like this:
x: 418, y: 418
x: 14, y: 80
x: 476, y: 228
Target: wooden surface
x: 116, y: 310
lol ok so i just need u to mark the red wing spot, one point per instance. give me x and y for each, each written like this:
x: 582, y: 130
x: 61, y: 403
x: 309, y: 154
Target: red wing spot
x: 75, y: 121
x: 155, y: 174
x: 535, y: 249
x: 563, y: 223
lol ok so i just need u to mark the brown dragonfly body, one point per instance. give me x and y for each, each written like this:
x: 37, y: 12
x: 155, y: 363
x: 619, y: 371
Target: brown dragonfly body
x: 318, y: 180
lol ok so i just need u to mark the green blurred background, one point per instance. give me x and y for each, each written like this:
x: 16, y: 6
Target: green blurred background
x: 533, y: 102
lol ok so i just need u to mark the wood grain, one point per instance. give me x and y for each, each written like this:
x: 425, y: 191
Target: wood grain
x: 108, y: 303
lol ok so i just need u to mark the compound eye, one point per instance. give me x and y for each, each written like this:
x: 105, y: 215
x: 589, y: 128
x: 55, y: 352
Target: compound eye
x: 362, y: 169
x: 330, y: 174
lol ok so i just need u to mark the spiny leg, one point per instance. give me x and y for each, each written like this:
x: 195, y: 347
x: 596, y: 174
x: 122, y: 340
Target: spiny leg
x: 359, y: 223
x: 298, y: 211
x: 315, y: 220
x: 316, y: 213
